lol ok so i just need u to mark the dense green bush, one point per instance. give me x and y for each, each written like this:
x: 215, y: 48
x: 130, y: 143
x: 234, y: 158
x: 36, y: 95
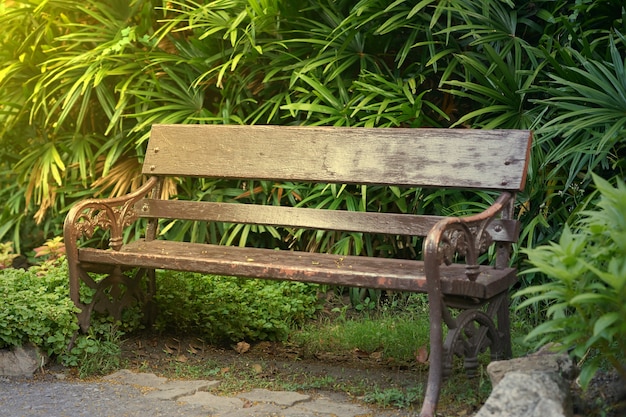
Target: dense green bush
x: 586, y: 292
x: 226, y: 309
x: 36, y: 308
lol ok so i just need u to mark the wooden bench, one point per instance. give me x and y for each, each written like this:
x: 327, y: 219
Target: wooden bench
x: 471, y: 299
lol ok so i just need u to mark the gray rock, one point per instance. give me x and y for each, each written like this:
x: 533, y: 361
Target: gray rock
x: 284, y: 398
x: 537, y: 385
x: 520, y: 394
x: 324, y: 407
x: 542, y: 361
x: 216, y: 404
x: 21, y: 360
x: 173, y: 390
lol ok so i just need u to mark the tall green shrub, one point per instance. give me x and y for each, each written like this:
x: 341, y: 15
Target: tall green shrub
x: 586, y: 292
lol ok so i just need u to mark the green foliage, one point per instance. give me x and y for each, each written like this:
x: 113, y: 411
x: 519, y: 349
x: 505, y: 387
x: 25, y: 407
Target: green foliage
x: 230, y: 309
x: 81, y: 82
x: 586, y: 293
x: 36, y: 309
x: 98, y: 352
x: 394, y: 397
x: 586, y: 111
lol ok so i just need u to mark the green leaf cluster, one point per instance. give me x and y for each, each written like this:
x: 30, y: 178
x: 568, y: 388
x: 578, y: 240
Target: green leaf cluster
x: 586, y: 293
x: 227, y: 309
x: 99, y: 352
x: 36, y: 309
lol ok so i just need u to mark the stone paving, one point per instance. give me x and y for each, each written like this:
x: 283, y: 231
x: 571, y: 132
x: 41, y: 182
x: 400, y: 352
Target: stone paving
x: 131, y: 394
x: 255, y: 403
x: 128, y: 394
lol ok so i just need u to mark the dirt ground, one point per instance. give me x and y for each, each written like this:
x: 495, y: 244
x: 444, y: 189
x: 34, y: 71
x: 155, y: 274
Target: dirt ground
x: 281, y: 366
x: 275, y: 365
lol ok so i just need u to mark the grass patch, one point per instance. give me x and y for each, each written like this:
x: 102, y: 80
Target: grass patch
x: 394, y: 397
x: 393, y: 338
x: 393, y: 332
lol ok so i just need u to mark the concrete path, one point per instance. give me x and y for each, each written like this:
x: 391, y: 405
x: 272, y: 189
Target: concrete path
x: 126, y: 393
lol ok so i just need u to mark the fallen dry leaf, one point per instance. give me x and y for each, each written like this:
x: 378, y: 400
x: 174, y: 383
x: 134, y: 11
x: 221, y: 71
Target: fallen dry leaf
x: 376, y: 355
x: 242, y: 347
x: 197, y: 345
x: 360, y: 354
x: 421, y: 354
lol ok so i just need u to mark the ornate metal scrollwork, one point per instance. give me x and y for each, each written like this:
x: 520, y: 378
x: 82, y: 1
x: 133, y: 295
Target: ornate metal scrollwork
x: 457, y: 241
x: 104, y: 216
x: 119, y: 291
x: 474, y: 332
x: 465, y: 236
x: 112, y: 214
x: 116, y: 291
x: 467, y: 241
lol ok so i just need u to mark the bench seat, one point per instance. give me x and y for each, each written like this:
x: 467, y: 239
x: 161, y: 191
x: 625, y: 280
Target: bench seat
x: 353, y: 271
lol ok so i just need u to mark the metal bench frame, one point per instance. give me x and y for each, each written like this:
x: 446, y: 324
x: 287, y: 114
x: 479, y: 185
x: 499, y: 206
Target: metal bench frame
x: 493, y: 160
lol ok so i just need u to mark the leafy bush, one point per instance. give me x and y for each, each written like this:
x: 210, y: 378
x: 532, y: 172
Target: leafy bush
x: 36, y: 308
x: 231, y: 309
x: 98, y: 352
x: 587, y: 291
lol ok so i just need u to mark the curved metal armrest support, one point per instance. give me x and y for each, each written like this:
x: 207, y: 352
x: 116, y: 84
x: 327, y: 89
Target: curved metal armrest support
x: 112, y: 214
x: 466, y: 236
x: 107, y: 213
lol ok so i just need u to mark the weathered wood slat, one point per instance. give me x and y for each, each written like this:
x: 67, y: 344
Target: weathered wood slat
x: 354, y: 271
x: 461, y: 158
x: 502, y: 230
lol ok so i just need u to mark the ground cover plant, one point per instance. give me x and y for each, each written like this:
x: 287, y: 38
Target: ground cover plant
x: 36, y: 309
x: 230, y: 310
x: 221, y: 309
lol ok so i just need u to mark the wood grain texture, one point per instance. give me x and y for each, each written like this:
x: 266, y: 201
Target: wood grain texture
x: 460, y: 158
x: 502, y: 230
x: 353, y: 271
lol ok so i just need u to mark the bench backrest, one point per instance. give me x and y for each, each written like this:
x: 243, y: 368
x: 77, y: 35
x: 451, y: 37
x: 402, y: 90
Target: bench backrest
x: 459, y: 158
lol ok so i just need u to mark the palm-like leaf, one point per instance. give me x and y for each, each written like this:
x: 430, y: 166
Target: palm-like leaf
x: 587, y: 106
